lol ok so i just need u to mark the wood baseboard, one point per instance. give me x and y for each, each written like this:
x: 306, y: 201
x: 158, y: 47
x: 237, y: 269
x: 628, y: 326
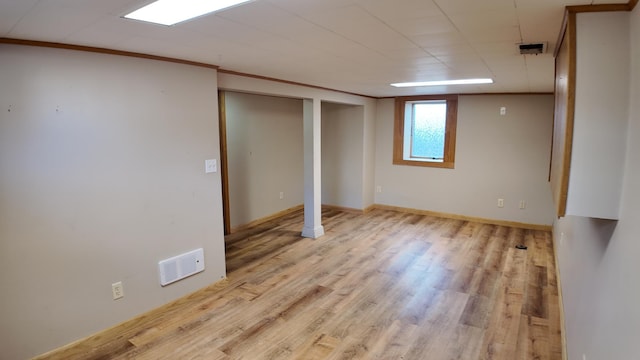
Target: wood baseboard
x: 369, y: 209
x: 266, y: 219
x: 294, y: 209
x: 343, y: 208
x: 399, y: 209
x: 464, y: 217
x: 348, y: 209
x: 563, y: 330
x: 128, y: 328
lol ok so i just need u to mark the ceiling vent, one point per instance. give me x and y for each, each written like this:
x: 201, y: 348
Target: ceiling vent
x: 533, y: 49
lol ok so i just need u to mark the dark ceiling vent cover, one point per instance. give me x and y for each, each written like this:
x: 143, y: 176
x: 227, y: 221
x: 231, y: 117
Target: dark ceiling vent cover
x: 532, y: 49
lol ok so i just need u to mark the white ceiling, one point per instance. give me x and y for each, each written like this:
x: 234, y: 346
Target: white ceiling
x: 358, y: 46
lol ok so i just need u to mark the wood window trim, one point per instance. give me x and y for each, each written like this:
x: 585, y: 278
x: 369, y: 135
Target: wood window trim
x: 449, y: 136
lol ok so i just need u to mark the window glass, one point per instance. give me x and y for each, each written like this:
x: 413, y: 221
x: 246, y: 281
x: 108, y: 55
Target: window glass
x: 429, y: 120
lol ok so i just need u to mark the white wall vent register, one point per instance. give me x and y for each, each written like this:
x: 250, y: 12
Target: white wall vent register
x: 181, y: 266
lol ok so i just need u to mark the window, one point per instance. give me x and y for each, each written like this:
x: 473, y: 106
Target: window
x: 425, y: 131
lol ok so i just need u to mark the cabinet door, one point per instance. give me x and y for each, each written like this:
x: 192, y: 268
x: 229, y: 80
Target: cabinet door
x: 563, y: 117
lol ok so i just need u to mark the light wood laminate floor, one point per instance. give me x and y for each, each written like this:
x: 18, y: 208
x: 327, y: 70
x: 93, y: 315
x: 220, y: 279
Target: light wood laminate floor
x: 385, y: 285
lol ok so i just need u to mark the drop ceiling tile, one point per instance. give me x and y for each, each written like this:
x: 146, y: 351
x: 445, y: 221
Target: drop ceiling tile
x: 537, y: 70
x: 512, y: 63
x: 292, y: 26
x: 440, y: 39
x: 113, y: 31
x: 539, y: 61
x: 400, y: 10
x: 50, y: 23
x: 452, y: 7
x: 276, y: 46
x: 354, y: 23
x: 479, y: 71
x: 404, y: 54
x: 257, y: 14
x: 431, y: 25
x: 113, y: 7
x: 450, y: 50
x: 494, y: 34
x: 485, y: 19
x: 157, y: 47
x: 513, y: 82
x: 497, y: 49
x: 557, y: 5
x: 460, y: 58
x: 12, y: 12
x: 227, y: 54
x: 303, y: 33
x: 98, y: 35
x: 427, y: 73
x: 302, y: 7
x: 540, y: 25
x: 218, y: 27
x: 425, y: 60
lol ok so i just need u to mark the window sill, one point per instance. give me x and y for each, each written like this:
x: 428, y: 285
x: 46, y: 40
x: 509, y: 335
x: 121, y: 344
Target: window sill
x: 424, y: 163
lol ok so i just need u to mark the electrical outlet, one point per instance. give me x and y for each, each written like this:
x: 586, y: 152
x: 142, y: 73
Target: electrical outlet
x: 117, y: 290
x: 523, y: 204
x: 500, y: 203
x: 378, y: 189
x: 281, y: 195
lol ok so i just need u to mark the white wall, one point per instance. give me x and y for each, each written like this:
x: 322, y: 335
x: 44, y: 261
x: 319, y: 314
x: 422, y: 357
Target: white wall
x: 101, y: 176
x: 598, y: 259
x: 265, y: 155
x: 342, y: 155
x: 496, y: 157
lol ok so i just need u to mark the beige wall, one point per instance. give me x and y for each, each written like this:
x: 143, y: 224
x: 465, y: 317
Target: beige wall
x: 342, y: 155
x: 369, y: 156
x: 101, y: 176
x: 496, y: 157
x: 265, y: 154
x: 261, y: 86
x: 598, y: 259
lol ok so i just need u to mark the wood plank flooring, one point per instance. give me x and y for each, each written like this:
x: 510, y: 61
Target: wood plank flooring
x: 384, y: 285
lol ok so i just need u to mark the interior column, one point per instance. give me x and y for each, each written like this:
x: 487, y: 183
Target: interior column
x: 312, y: 167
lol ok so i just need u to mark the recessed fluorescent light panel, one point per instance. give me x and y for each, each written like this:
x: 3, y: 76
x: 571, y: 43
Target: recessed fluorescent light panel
x: 169, y: 12
x: 445, y: 82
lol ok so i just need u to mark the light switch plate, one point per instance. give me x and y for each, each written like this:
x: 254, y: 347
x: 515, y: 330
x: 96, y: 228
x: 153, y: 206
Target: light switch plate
x: 210, y: 166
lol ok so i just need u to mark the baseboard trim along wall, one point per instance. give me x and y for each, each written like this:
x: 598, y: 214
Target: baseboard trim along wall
x: 466, y: 218
x: 399, y: 209
x: 343, y: 208
x: 266, y: 219
x: 563, y: 330
x: 124, y: 331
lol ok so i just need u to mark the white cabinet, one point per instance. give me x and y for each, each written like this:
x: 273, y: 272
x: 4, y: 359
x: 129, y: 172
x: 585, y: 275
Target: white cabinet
x: 592, y: 87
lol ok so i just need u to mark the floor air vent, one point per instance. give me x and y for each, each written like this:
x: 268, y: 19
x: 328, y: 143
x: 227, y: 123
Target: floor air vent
x: 181, y: 266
